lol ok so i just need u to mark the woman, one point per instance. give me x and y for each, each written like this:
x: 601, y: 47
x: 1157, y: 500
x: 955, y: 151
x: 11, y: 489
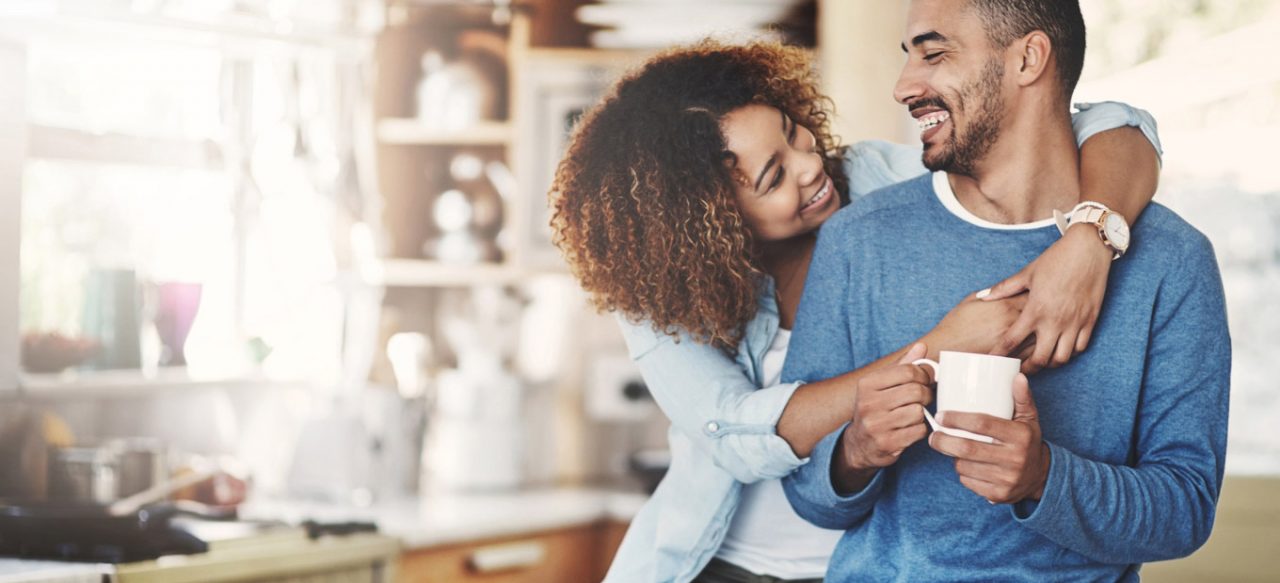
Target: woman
x: 704, y: 267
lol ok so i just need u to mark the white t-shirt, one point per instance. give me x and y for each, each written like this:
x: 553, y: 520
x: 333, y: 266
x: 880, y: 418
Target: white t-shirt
x: 766, y: 536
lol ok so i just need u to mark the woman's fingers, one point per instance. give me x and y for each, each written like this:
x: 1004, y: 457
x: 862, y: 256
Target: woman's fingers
x: 1012, y: 286
x: 1046, y: 343
x: 1015, y: 335
x: 1082, y: 340
x: 1066, y: 348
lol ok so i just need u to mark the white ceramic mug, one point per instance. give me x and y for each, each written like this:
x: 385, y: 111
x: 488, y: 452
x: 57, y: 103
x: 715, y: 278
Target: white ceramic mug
x: 973, y: 383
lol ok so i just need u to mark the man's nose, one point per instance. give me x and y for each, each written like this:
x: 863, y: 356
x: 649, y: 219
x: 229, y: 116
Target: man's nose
x: 908, y: 87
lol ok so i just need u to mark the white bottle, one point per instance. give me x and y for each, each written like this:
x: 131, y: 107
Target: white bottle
x: 452, y: 96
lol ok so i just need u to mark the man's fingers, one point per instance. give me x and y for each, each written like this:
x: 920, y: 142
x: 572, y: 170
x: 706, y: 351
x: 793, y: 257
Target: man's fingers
x: 1012, y: 286
x: 963, y: 448
x: 1003, y: 430
x: 904, y: 395
x: 907, y: 436
x: 892, y: 443
x: 892, y: 377
x: 1024, y: 407
x: 987, y: 472
x: 987, y: 490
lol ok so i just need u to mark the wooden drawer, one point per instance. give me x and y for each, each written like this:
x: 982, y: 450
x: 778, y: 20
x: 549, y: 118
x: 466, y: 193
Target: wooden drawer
x: 572, y: 555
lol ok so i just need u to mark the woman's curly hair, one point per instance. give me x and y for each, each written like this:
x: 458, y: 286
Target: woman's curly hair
x: 643, y: 203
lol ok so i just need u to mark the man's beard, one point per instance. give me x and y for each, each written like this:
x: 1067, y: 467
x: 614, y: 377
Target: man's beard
x: 962, y: 151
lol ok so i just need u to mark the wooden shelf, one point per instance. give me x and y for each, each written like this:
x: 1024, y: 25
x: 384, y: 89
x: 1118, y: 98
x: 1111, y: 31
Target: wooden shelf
x: 608, y: 58
x: 115, y: 148
x: 411, y: 132
x: 424, y: 273
x: 132, y: 382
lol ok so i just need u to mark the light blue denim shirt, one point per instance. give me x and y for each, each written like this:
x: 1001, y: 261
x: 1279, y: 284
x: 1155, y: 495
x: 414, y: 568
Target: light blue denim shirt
x: 723, y: 423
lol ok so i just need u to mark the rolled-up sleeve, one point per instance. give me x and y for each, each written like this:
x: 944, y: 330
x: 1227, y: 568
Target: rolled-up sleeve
x: 708, y: 396
x: 1091, y: 119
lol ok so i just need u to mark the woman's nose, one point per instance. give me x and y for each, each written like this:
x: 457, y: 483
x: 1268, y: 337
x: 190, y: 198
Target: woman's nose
x: 810, y: 168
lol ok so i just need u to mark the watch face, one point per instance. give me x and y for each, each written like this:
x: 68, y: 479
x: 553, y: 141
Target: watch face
x: 1117, y: 231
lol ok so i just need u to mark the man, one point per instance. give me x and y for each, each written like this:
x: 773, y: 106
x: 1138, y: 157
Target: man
x: 1111, y: 461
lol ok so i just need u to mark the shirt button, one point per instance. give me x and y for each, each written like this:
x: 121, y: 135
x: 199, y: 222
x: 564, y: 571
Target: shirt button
x: 713, y: 427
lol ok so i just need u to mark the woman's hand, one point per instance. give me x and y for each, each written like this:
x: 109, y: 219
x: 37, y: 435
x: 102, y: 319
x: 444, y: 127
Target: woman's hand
x: 1067, y: 284
x: 975, y: 325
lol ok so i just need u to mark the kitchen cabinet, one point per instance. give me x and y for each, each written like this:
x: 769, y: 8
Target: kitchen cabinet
x: 287, y: 557
x: 543, y: 78
x: 581, y: 553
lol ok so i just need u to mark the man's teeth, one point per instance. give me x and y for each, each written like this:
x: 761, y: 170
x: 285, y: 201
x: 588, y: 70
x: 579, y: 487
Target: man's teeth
x: 928, y: 121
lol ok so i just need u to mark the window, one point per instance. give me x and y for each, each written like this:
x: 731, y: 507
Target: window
x: 189, y: 181
x: 1196, y: 67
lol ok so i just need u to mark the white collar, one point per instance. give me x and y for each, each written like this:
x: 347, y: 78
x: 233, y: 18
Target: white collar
x: 946, y: 196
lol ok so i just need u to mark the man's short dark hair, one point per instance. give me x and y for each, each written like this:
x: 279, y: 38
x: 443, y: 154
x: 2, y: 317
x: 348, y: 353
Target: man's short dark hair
x: 1060, y: 20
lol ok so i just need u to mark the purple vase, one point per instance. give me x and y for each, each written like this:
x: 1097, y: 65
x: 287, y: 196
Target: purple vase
x: 176, y: 308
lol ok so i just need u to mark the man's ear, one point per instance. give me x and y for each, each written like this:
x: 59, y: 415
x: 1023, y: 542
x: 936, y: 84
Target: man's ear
x: 1034, y: 51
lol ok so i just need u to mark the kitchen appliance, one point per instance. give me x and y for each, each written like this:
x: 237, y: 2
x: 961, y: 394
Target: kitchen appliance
x: 83, y: 474
x: 478, y: 408
x: 118, y: 469
x: 89, y: 532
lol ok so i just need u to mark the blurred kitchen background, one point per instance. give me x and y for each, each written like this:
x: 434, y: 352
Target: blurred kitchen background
x: 296, y: 254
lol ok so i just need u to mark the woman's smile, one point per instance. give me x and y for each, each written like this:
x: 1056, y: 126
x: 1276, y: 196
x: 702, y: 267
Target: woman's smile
x: 820, y: 199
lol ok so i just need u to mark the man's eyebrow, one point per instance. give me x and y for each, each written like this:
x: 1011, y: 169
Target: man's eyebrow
x: 774, y: 158
x: 922, y: 38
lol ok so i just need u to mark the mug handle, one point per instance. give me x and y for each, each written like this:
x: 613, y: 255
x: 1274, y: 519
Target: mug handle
x: 932, y: 363
x: 933, y: 422
x: 936, y: 367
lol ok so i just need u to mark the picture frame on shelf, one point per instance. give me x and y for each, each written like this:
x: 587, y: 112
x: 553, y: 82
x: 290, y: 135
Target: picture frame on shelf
x: 553, y: 96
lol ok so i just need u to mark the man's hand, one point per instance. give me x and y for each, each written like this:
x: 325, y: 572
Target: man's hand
x: 1010, y: 470
x: 888, y: 416
x: 1067, y: 284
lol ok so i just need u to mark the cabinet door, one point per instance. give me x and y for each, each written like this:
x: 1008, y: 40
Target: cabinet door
x: 12, y: 151
x: 569, y: 555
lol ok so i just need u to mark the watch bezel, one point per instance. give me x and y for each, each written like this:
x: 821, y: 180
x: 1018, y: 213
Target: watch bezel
x: 1115, y: 230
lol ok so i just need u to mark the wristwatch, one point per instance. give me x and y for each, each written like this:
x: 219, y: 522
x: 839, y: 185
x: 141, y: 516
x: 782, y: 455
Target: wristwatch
x: 1112, y: 227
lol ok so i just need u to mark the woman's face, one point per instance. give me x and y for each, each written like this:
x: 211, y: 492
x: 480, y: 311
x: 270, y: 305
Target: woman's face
x: 782, y: 188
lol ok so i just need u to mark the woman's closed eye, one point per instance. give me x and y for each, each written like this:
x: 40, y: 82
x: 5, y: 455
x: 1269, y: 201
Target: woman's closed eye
x: 777, y: 178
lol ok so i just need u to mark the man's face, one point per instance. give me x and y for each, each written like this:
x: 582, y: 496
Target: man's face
x: 952, y: 84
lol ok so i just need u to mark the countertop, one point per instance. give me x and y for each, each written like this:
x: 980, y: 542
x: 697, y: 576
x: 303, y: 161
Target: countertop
x: 416, y: 522
x: 28, y: 571
x: 448, y: 518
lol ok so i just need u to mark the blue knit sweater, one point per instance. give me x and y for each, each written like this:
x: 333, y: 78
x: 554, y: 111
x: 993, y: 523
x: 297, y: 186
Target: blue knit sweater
x: 1136, y: 425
